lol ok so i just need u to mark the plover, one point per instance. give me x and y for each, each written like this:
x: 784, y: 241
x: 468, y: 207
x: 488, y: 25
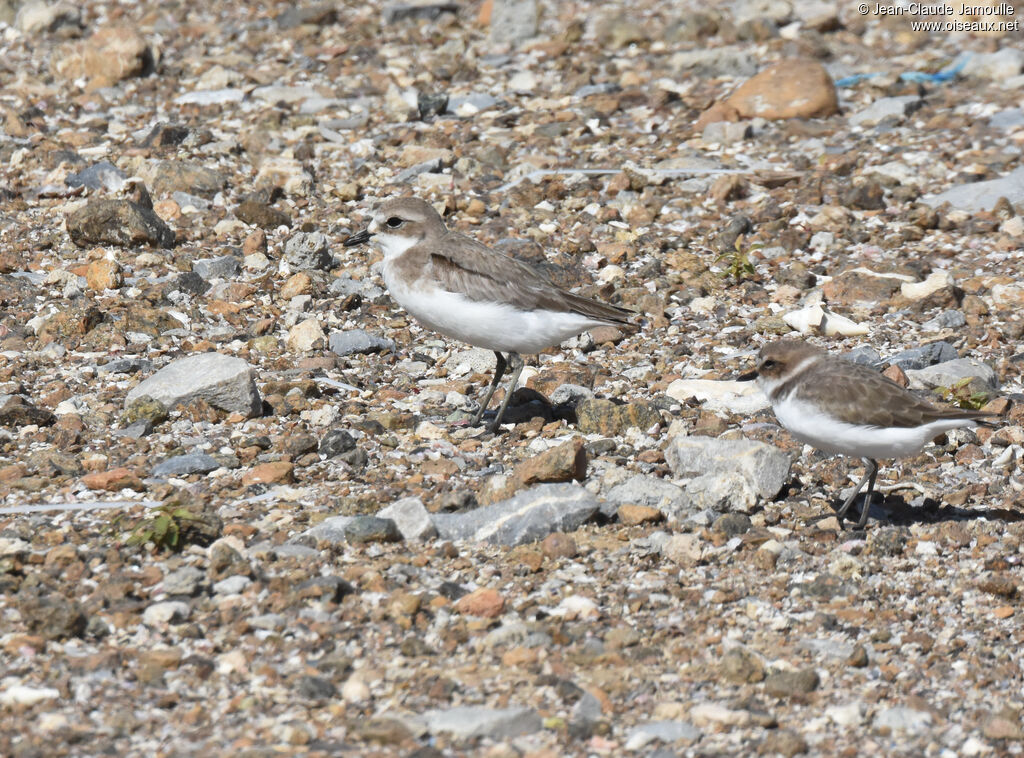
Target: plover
x: 843, y: 407
x: 456, y: 286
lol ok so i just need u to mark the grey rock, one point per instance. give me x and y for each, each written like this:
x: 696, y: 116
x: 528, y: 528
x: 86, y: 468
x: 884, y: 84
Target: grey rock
x: 330, y: 530
x: 170, y: 176
x: 183, y: 465
x: 331, y: 588
x: 411, y: 517
x: 166, y: 612
x: 308, y: 250
x: 470, y: 721
x: 135, y: 430
x: 945, y: 320
x: 221, y: 380
x: 336, y: 442
x: 732, y: 524
x: 903, y: 719
x: 886, y: 108
x: 530, y: 515
x: 102, y: 175
x: 1002, y: 64
x: 728, y: 132
x: 604, y: 88
x: 570, y: 394
x: 184, y: 581
x: 233, y: 585
x: 37, y: 17
x: 291, y: 550
x: 788, y: 683
x: 315, y: 687
x: 188, y: 282
x: 125, y: 366
x: 950, y: 372
x: 211, y: 97
x: 763, y: 467
x: 1008, y: 119
x: 363, y: 529
x: 864, y: 355
x: 981, y: 196
x: 268, y: 621
x: 716, y: 61
x: 481, y: 101
x: 224, y: 267
x: 652, y: 491
x: 53, y: 616
x: 358, y: 341
x: 662, y: 731
x: 513, y: 21
x: 396, y: 12
x: 117, y: 222
x: 926, y: 355
x: 427, y: 167
x: 280, y: 93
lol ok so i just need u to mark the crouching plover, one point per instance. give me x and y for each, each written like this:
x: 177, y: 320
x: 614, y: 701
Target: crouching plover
x: 843, y: 407
x: 464, y: 290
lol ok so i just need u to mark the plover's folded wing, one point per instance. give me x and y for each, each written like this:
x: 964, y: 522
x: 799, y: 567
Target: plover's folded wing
x: 858, y: 394
x: 479, y: 273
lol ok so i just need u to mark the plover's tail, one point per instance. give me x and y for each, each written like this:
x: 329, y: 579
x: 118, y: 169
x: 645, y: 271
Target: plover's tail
x: 612, y: 314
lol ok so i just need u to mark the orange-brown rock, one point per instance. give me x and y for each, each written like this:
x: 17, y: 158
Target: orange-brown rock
x: 795, y: 88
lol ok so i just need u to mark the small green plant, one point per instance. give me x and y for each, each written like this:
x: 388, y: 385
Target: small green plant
x: 738, y: 265
x: 163, y: 526
x: 960, y: 395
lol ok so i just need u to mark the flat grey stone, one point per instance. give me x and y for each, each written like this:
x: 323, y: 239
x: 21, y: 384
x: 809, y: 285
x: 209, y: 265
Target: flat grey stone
x: 166, y: 612
x: 469, y: 721
x: 308, y: 250
x: 981, y: 196
x: 728, y: 132
x: 926, y: 355
x: 183, y: 465
x: 268, y: 621
x: 221, y: 380
x: 886, y: 107
x: 125, y: 366
x: 184, y: 581
x: 728, y: 60
x: 224, y: 267
x: 358, y: 341
x: 951, y: 372
x: 1002, y: 64
x: 945, y: 320
x: 363, y: 529
x: 291, y: 550
x: 427, y: 167
x: 765, y: 468
x: 479, y: 100
x: 331, y: 530
x: 662, y: 731
x: 864, y: 355
x: 513, y: 21
x: 1009, y: 119
x: 652, y: 491
x: 530, y: 515
x: 411, y: 517
x: 396, y: 12
x: 903, y: 719
x: 233, y: 585
x: 211, y: 97
x: 102, y: 175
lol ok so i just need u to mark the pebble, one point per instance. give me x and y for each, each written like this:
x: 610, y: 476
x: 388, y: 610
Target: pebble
x: 224, y: 267
x: 308, y: 251
x: 469, y: 721
x: 661, y: 731
x: 221, y: 380
x: 902, y: 719
x: 410, y: 517
x: 763, y: 467
x: 530, y: 515
x: 948, y: 373
x: 166, y: 612
x: 183, y: 465
x: 358, y: 342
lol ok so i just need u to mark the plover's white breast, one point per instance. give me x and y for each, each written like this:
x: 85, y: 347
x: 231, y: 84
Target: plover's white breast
x: 813, y: 426
x: 492, y: 325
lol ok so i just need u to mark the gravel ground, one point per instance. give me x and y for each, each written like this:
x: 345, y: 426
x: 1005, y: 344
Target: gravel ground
x: 242, y: 510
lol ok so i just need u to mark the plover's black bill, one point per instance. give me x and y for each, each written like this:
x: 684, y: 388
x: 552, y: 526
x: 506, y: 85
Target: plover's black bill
x: 358, y: 238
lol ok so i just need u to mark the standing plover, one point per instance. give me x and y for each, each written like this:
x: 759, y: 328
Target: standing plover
x: 464, y: 290
x: 843, y: 407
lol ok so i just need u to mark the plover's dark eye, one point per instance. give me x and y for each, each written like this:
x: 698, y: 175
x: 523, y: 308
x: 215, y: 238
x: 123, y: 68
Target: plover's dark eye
x: 768, y: 364
x: 394, y: 222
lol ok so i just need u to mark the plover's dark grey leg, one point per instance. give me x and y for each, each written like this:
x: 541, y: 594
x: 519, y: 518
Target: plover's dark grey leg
x: 499, y: 371
x: 873, y: 467
x: 869, y: 473
x: 517, y: 369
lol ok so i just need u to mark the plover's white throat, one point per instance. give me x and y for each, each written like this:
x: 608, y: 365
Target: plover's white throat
x: 843, y: 407
x: 464, y: 290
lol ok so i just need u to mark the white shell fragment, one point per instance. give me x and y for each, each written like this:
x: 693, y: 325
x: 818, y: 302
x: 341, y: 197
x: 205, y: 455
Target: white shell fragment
x: 817, y: 320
